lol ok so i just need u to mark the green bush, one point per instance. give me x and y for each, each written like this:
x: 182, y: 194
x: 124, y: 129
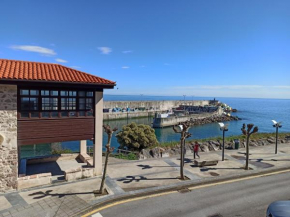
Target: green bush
x: 135, y: 137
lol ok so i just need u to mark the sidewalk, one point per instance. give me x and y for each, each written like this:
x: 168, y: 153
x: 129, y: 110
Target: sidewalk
x: 133, y: 177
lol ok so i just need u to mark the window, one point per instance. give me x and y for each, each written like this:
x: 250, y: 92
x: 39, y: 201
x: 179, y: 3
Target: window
x: 29, y: 103
x: 48, y: 103
x: 85, y: 104
x: 68, y: 103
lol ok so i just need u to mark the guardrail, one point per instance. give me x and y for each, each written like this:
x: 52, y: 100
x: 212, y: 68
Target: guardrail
x: 90, y: 151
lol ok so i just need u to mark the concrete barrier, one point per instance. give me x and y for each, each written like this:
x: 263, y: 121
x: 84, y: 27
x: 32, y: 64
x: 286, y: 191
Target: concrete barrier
x: 33, y: 180
x: 79, y: 173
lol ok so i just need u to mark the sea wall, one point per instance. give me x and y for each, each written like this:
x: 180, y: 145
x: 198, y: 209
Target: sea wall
x: 150, y: 107
x: 8, y: 138
x: 154, y: 105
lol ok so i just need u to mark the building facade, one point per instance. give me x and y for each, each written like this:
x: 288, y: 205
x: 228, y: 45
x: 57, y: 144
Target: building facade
x: 46, y: 103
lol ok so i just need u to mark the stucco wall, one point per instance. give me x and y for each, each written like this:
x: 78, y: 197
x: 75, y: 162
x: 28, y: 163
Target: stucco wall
x: 8, y: 137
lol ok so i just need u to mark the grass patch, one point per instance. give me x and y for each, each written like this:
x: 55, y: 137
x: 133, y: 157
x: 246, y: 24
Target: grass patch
x: 130, y: 156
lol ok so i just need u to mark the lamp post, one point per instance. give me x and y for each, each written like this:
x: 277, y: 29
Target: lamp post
x: 223, y: 128
x: 184, y: 134
x: 277, y: 126
x: 184, y: 99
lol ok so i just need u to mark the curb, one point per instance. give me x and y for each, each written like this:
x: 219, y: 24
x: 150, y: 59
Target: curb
x: 175, y: 187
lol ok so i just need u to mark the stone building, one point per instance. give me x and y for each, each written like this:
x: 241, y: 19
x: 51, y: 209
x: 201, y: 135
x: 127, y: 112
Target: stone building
x: 46, y: 103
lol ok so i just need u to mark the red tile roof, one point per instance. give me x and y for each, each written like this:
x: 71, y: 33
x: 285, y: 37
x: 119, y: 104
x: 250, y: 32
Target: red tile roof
x: 50, y: 72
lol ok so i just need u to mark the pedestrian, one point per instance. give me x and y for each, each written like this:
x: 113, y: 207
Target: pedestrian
x: 161, y: 150
x: 195, y: 150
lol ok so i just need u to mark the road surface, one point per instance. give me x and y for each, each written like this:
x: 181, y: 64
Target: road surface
x: 248, y: 198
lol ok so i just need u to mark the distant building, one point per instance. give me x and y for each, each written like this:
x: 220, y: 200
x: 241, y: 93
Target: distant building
x: 46, y: 103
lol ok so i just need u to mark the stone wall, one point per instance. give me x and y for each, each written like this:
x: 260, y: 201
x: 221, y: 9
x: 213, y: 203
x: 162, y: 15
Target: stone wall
x: 8, y: 138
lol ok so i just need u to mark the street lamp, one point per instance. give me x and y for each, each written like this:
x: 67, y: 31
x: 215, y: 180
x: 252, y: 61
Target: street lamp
x: 223, y: 128
x: 277, y: 126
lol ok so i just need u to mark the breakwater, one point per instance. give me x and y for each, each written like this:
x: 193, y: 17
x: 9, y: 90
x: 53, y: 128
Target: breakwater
x: 137, y: 109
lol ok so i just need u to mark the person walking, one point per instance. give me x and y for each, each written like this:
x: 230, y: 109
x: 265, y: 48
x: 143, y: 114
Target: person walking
x: 195, y: 150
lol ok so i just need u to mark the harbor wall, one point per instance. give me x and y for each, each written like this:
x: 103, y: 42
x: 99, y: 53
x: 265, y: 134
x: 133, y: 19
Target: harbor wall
x: 174, y: 120
x: 154, y: 105
x: 150, y: 107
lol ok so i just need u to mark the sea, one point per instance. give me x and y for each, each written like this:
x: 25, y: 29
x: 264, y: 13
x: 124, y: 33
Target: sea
x: 259, y: 112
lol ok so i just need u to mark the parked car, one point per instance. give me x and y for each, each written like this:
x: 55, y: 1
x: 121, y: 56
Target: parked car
x: 279, y: 209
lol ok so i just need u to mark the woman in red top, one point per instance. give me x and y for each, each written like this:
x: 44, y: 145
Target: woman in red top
x: 195, y: 150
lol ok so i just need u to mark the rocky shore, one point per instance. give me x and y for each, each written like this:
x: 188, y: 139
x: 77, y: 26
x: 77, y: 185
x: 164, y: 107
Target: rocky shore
x: 210, y: 145
x: 214, y: 119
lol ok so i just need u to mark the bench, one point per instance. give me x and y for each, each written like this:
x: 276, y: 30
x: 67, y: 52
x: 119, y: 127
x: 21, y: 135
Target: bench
x: 206, y: 163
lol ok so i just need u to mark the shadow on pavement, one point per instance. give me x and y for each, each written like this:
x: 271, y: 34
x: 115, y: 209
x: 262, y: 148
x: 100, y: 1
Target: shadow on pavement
x: 130, y: 179
x: 42, y: 194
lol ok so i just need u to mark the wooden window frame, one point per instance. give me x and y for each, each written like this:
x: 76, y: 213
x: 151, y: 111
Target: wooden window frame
x: 39, y: 96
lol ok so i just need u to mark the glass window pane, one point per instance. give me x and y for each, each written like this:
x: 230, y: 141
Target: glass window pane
x: 72, y: 93
x: 72, y: 114
x: 54, y: 114
x: 24, y: 92
x: 64, y: 93
x: 35, y: 114
x: 45, y: 114
x: 82, y: 103
x: 82, y: 113
x: 54, y: 93
x: 89, y: 103
x: 33, y: 103
x: 24, y: 114
x: 90, y: 113
x: 45, y: 93
x: 90, y: 93
x: 24, y: 103
x: 64, y: 114
x: 82, y: 93
x: 34, y: 92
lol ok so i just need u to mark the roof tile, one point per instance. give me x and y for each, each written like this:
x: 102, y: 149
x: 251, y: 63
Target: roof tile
x: 35, y: 71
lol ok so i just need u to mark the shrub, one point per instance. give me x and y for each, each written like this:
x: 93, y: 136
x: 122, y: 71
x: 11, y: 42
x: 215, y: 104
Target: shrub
x: 135, y: 137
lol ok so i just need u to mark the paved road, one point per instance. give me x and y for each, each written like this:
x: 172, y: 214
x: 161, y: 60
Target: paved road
x: 248, y: 198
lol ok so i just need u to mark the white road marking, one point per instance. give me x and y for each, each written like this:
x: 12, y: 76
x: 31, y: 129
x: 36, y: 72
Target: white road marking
x: 97, y: 215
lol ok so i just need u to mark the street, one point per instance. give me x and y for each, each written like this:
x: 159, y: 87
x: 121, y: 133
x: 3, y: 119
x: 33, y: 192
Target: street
x: 242, y: 198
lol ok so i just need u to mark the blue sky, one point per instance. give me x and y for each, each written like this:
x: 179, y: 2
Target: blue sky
x: 213, y: 48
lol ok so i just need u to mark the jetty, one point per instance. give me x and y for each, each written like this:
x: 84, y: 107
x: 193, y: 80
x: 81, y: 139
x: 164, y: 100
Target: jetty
x: 137, y: 109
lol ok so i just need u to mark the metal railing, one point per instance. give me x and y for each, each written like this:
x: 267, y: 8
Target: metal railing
x: 90, y: 151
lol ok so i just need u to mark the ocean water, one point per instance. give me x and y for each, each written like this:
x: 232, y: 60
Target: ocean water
x: 260, y: 112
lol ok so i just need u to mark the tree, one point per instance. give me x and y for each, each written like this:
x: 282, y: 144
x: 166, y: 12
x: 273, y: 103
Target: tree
x: 110, y: 132
x: 184, y: 134
x: 248, y: 133
x: 136, y: 137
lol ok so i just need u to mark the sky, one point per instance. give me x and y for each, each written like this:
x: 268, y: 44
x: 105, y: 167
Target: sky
x: 213, y: 48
